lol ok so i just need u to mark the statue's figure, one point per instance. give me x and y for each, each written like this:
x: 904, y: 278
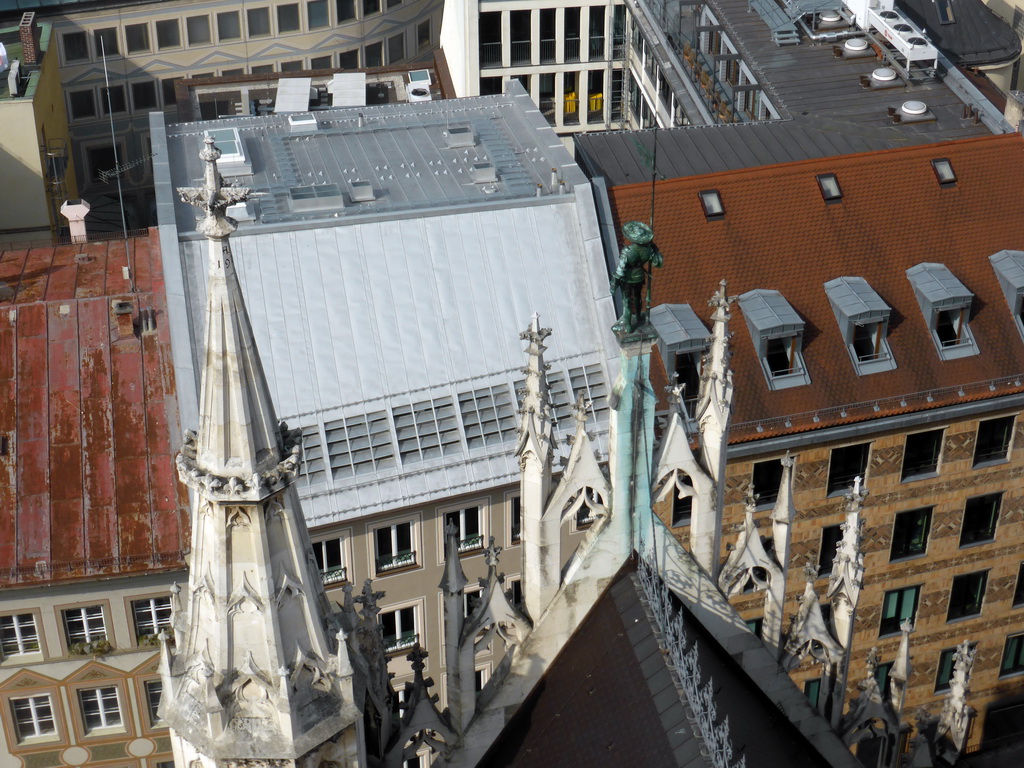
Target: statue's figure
x: 633, y: 272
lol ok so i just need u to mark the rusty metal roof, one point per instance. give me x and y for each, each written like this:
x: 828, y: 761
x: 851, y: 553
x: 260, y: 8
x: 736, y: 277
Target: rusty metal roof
x: 87, y: 413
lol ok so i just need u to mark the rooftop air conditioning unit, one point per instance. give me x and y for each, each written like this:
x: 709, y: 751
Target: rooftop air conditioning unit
x: 483, y: 173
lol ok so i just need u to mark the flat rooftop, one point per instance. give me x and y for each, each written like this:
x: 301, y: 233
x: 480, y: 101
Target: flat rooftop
x: 389, y: 328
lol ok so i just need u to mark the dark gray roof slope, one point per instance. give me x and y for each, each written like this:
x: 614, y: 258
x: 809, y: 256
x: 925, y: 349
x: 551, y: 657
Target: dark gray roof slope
x: 975, y: 37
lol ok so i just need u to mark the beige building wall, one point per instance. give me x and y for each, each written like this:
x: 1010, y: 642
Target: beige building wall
x: 60, y: 673
x: 30, y: 121
x: 946, y: 492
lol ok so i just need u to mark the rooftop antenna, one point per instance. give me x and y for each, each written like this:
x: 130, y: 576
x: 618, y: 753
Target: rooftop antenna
x: 120, y: 195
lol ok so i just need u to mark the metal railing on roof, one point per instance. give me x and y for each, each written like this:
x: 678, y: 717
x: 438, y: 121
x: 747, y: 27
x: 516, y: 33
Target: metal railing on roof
x: 99, y: 237
x: 875, y: 408
x: 45, y: 570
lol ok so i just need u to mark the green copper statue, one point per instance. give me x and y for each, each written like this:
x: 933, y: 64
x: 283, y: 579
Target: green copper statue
x: 634, y: 270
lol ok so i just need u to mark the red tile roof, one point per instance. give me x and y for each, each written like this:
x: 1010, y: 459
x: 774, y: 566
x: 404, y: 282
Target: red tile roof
x: 87, y: 411
x: 778, y: 233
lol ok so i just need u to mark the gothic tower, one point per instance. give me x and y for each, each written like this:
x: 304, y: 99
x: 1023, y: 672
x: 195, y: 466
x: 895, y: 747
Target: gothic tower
x: 259, y: 674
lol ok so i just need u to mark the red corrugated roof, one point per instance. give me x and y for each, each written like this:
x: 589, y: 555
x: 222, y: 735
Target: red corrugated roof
x: 87, y: 408
x: 778, y: 233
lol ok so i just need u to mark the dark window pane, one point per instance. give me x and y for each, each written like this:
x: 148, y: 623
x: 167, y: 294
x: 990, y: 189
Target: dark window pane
x: 898, y: 605
x: 83, y: 104
x: 144, y: 95
x: 106, y: 41
x: 346, y: 10
x: 910, y: 533
x: 259, y: 21
x: 396, y: 48
x: 812, y: 688
x: 993, y: 440
x: 198, y: 29
x: 348, y: 60
x: 229, y: 26
x: 317, y: 15
x: 682, y: 509
x: 967, y: 595
x: 847, y: 463
x: 288, y: 18
x: 76, y: 46
x: 766, y: 478
x: 136, y: 37
x: 167, y: 88
x: 921, y: 453
x: 370, y: 7
x: 374, y: 55
x: 1013, y: 655
x: 980, y: 516
x: 831, y: 535
x: 1018, y: 592
x: 168, y: 34
x: 320, y: 62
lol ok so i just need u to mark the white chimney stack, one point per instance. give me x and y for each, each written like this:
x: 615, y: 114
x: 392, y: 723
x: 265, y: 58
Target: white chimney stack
x: 75, y: 212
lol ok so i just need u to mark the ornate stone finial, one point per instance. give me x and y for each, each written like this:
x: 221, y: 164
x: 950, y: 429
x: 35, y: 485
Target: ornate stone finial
x: 214, y: 197
x: 810, y: 572
x: 580, y: 410
x: 416, y: 657
x: 788, y: 460
x: 856, y: 495
x: 491, y: 553
x: 633, y: 273
x: 956, y: 713
x: 720, y: 300
x: 750, y: 500
x: 872, y: 663
x: 368, y: 600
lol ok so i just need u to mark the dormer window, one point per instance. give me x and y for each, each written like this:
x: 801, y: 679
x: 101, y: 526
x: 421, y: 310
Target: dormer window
x: 830, y: 190
x: 946, y: 305
x: 863, y: 319
x: 711, y: 202
x: 682, y: 341
x: 944, y: 172
x: 1009, y: 268
x: 778, y: 333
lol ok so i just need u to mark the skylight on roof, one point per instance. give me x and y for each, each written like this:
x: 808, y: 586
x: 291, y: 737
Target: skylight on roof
x: 945, y: 10
x: 711, y: 202
x: 830, y: 190
x: 944, y: 171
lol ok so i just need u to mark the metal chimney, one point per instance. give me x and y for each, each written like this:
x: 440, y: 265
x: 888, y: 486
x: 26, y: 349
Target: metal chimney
x: 75, y: 212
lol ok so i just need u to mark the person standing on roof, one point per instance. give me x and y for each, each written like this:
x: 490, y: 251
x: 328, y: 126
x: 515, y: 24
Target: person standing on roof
x: 633, y: 272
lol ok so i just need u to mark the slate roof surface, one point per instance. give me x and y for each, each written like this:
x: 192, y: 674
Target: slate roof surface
x: 609, y: 699
x: 88, y: 415
x: 778, y: 233
x: 976, y: 36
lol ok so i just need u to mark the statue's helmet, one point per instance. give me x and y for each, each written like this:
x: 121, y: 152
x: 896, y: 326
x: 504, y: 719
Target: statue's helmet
x: 637, y: 232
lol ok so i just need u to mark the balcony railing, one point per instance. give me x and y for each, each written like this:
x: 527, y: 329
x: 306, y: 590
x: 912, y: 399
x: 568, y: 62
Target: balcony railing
x: 470, y: 543
x: 595, y: 111
x: 571, y: 111
x: 335, y: 575
x: 596, y: 47
x: 490, y: 55
x: 403, y: 642
x: 399, y: 560
x: 547, y: 51
x: 547, y: 108
x: 520, y: 52
x: 572, y: 49
x: 618, y: 47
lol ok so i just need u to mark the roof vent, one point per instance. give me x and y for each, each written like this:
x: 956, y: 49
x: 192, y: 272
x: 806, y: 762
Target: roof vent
x: 854, y: 48
x: 362, y: 192
x: 302, y: 123
x: 883, y: 74
x: 461, y: 137
x: 829, y: 19
x: 904, y: 29
x: 911, y: 112
x: 483, y: 173
x: 882, y: 77
x: 889, y: 15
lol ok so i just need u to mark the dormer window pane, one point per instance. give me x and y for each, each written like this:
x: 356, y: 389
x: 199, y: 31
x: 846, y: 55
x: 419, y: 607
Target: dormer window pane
x: 712, y: 203
x: 863, y: 319
x: 1009, y: 268
x: 946, y: 305
x: 944, y: 172
x: 830, y: 187
x: 682, y: 339
x: 777, y: 331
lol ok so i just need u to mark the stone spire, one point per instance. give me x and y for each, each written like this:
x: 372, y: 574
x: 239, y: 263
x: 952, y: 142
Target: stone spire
x: 259, y: 673
x: 844, y: 588
x: 540, y: 535
x: 713, y: 415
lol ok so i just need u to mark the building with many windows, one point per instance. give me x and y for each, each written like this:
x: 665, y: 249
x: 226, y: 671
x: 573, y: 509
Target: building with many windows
x: 94, y: 522
x: 880, y: 339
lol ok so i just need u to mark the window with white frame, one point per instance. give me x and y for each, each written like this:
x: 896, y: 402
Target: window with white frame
x: 515, y: 520
x: 946, y: 305
x: 514, y: 592
x: 863, y: 319
x: 330, y: 560
x: 394, y: 547
x: 468, y: 524
x: 778, y: 333
x: 151, y: 615
x: 84, y: 625
x: 399, y: 628
x: 101, y: 708
x: 470, y: 600
x: 33, y: 717
x: 18, y: 634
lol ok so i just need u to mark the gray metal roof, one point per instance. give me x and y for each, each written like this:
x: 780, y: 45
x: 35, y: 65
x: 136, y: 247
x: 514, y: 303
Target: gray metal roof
x: 937, y: 288
x: 391, y: 337
x: 679, y: 327
x: 769, y: 313
x: 1009, y: 267
x: 856, y: 300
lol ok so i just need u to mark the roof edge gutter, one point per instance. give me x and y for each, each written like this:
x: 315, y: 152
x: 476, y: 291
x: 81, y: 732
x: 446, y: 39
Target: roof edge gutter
x: 861, y: 429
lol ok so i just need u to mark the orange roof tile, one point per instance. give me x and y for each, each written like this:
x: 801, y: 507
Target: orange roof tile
x: 778, y: 233
x: 87, y: 410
